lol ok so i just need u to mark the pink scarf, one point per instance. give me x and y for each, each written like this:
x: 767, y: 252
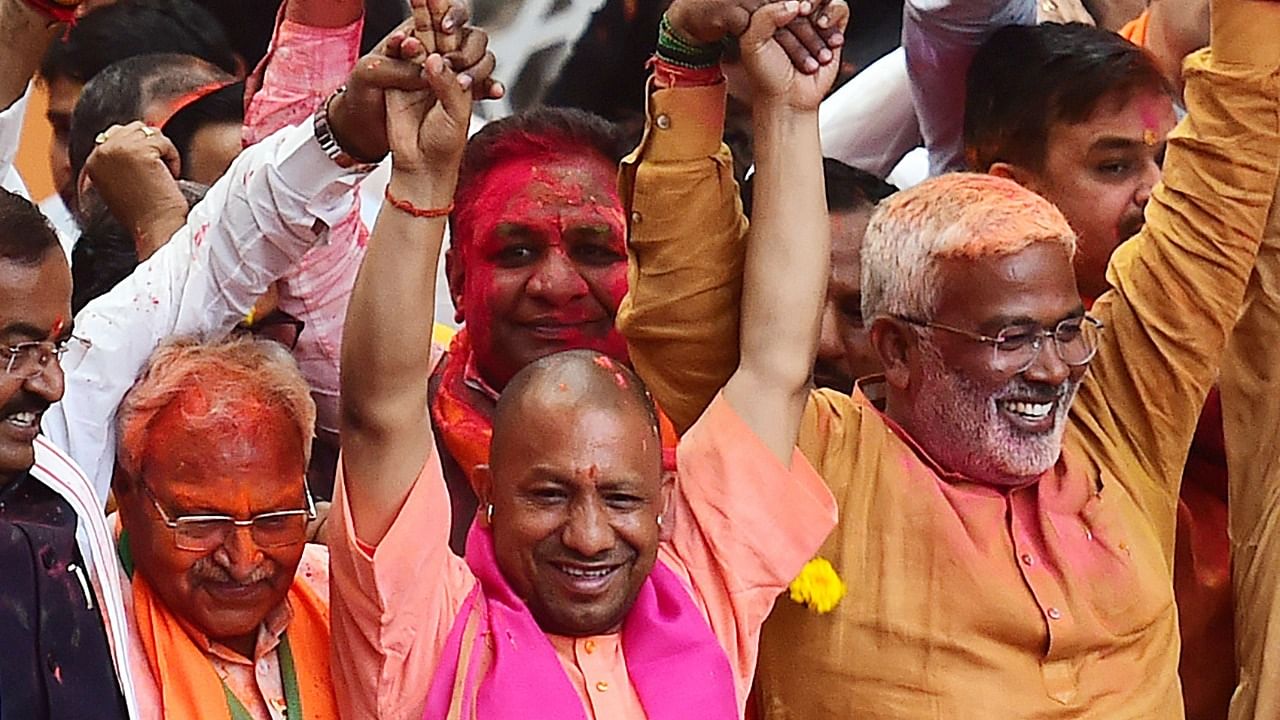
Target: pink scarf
x: 513, y: 673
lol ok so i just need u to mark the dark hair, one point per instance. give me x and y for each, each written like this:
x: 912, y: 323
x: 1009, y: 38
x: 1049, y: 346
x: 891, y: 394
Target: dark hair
x: 532, y: 135
x: 127, y: 28
x: 121, y: 93
x: 1026, y: 78
x: 26, y: 236
x: 224, y: 105
x: 106, y: 253
x: 848, y: 188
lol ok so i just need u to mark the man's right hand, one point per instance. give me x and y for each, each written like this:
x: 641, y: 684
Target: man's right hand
x: 358, y: 118
x: 134, y: 168
x: 810, y: 41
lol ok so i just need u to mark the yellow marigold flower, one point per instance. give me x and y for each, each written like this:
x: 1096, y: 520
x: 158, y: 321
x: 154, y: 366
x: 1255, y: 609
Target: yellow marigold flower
x: 818, y: 586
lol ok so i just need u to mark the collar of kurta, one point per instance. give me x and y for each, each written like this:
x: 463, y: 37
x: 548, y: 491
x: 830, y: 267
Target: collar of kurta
x: 497, y: 657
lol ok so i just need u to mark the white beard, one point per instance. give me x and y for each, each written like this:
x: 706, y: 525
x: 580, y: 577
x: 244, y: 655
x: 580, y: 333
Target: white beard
x: 961, y: 427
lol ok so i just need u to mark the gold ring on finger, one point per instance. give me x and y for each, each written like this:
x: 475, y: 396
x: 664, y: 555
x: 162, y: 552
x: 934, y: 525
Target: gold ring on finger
x: 101, y: 138
x: 148, y: 131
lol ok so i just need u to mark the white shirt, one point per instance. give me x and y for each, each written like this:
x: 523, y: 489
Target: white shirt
x: 941, y: 38
x: 11, y: 119
x: 266, y: 212
x: 10, y: 136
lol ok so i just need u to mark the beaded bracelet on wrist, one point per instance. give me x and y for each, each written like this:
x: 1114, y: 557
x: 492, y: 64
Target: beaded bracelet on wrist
x: 676, y: 50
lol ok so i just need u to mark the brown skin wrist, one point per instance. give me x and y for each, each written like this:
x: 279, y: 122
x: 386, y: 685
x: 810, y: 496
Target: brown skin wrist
x: 353, y: 143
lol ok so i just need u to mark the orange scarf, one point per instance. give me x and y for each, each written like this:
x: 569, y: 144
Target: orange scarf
x: 191, y: 688
x: 467, y: 430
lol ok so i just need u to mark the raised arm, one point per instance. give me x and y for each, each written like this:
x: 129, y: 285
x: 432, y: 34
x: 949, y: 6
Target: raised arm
x: 278, y: 200
x: 25, y: 34
x: 313, y: 48
x: 1250, y: 384
x: 1180, y: 282
x: 789, y: 244
x: 681, y: 312
x: 386, y: 348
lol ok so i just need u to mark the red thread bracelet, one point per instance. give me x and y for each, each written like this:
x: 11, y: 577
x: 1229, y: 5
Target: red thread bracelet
x: 54, y: 10
x: 414, y: 210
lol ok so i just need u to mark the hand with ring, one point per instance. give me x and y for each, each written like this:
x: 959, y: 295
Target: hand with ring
x: 133, y: 169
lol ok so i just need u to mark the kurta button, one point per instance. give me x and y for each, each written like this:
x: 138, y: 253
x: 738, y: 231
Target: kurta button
x: 664, y: 122
x: 602, y: 686
x: 589, y: 646
x: 1055, y: 613
x: 635, y: 217
x: 1028, y: 560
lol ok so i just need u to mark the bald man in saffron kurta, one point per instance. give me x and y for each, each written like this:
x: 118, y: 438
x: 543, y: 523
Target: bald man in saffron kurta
x: 969, y: 601
x: 743, y: 525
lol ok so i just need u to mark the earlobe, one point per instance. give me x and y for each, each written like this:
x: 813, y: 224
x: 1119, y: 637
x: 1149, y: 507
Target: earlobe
x: 666, y: 510
x: 482, y: 479
x: 456, y: 278
x: 892, y: 342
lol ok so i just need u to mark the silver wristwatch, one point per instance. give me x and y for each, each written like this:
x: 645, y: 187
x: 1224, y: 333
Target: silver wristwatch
x: 328, y: 143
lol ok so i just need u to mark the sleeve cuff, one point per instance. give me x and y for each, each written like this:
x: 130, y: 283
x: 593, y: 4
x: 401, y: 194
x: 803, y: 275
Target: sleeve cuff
x: 684, y: 123
x: 310, y: 173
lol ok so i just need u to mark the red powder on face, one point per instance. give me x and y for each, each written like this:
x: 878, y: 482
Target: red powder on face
x: 58, y: 325
x: 527, y: 245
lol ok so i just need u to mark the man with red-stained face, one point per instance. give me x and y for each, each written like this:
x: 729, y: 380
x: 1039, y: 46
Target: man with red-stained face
x: 537, y: 265
x: 539, y: 261
x: 227, y: 601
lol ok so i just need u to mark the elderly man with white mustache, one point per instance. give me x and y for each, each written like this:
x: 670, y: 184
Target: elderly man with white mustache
x: 1008, y: 490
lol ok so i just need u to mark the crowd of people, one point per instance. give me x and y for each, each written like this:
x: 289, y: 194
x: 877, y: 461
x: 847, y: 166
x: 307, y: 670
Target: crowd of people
x: 738, y: 434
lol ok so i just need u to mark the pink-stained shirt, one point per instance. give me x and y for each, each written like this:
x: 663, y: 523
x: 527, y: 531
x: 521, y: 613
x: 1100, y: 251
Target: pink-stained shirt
x: 742, y: 525
x: 303, y: 65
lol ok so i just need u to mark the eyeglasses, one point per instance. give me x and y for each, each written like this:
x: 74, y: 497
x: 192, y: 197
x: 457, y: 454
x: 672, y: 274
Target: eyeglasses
x: 277, y: 326
x: 29, y: 359
x: 204, y: 533
x: 1016, y: 347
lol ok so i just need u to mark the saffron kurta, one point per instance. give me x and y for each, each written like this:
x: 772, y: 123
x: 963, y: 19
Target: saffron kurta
x: 742, y: 526
x: 1049, y: 601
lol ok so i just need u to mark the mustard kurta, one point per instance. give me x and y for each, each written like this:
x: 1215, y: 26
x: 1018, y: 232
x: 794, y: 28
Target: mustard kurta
x: 1051, y: 601
x: 1251, y: 423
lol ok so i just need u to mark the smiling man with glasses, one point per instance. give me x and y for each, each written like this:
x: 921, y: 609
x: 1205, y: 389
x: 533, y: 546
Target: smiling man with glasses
x: 1008, y: 489
x: 227, y: 602
x: 55, y: 549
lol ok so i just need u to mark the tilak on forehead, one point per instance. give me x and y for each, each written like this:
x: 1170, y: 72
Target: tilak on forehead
x: 1150, y: 114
